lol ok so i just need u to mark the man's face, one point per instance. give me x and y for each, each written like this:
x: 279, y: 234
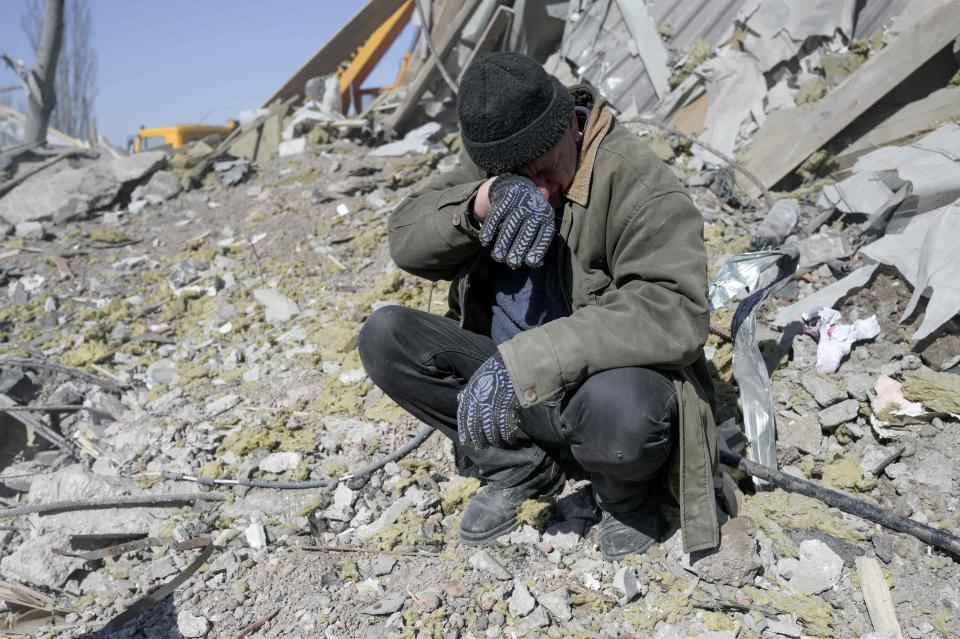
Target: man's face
x: 553, y: 171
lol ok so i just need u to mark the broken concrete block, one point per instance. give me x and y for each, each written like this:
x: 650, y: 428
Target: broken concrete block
x: 163, y: 185
x: 485, y: 562
x: 256, y: 535
x: 296, y: 146
x: 222, y: 405
x: 415, y: 142
x: 935, y: 470
x: 845, y: 411
x: 277, y: 307
x: 192, y: 626
x: 557, y: 603
x: 627, y: 583
x: 280, y: 462
x: 735, y: 562
x: 30, y: 230
x: 817, y: 570
x: 35, y: 562
x: 390, y: 603
x: 799, y: 431
x: 521, y: 601
x: 824, y: 390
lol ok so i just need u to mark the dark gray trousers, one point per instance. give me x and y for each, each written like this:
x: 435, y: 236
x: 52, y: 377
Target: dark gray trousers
x: 619, y: 426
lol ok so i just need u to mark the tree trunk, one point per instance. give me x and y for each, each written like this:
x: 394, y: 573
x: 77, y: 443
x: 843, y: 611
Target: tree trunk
x: 45, y: 73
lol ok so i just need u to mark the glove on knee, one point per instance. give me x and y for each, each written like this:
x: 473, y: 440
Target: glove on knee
x: 487, y: 409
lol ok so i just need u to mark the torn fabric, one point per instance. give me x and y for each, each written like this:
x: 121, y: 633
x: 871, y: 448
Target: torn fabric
x: 836, y: 340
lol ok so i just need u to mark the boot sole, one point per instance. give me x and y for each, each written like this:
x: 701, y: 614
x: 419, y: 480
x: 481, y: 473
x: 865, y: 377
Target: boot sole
x: 479, y: 539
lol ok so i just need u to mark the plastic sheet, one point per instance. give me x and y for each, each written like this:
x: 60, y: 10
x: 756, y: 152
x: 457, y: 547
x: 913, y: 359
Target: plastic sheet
x: 758, y: 275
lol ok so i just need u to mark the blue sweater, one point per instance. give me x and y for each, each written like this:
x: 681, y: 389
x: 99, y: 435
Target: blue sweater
x: 525, y: 298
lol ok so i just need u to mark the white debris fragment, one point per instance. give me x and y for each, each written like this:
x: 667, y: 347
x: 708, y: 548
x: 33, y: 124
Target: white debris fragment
x: 256, y: 535
x: 277, y: 307
x: 280, y: 462
x: 836, y: 340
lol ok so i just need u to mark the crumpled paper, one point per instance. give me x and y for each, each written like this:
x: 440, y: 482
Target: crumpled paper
x: 835, y: 340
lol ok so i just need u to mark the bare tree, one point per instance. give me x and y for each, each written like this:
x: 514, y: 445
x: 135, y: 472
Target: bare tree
x: 39, y: 81
x: 76, y: 81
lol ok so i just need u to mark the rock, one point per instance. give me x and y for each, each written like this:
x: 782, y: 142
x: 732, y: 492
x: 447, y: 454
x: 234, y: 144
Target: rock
x: 824, y: 390
x: 485, y: 562
x: 428, y: 601
x: 191, y: 625
x: 525, y: 536
x: 256, y: 535
x: 799, y: 431
x: 625, y: 580
x: 232, y: 172
x: 858, y: 386
x: 557, y: 603
x: 163, y: 371
x: 845, y: 411
x: 564, y: 536
x: 277, y: 307
x: 342, y: 507
x: 160, y: 569
x: 163, y: 185
x: 382, y: 565
x: 783, y: 628
x: 735, y: 562
x: 296, y: 146
x: 817, y: 570
x: 30, y: 230
x: 390, y: 603
x: 883, y: 546
x: 538, y: 618
x: 221, y: 405
x: 72, y: 193
x: 280, y: 462
x: 35, y: 562
x: 394, y: 622
x: 415, y: 142
x: 521, y: 601
x: 943, y: 352
x: 935, y: 470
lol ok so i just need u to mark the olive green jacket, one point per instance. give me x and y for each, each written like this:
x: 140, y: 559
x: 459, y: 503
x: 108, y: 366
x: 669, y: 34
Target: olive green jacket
x: 632, y: 267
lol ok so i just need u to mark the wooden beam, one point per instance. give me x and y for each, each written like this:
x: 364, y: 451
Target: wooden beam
x: 338, y: 48
x: 876, y: 595
x: 783, y: 143
x: 911, y: 121
x: 429, y: 70
x: 498, y: 25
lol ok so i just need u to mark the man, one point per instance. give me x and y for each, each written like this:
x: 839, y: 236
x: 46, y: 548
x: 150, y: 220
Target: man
x: 577, y: 316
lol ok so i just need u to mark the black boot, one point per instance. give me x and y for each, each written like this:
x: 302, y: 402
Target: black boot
x: 632, y: 531
x: 493, y: 511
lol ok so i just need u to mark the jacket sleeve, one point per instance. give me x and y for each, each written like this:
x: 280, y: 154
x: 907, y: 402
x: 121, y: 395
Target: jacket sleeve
x: 431, y: 232
x: 654, y: 314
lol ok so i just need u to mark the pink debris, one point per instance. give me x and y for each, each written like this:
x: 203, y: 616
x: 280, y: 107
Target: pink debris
x: 836, y: 340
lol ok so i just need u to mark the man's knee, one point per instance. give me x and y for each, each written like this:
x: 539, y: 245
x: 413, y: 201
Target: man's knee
x: 628, y: 417
x: 378, y: 341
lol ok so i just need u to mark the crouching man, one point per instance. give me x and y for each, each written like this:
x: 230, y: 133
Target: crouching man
x: 578, y: 312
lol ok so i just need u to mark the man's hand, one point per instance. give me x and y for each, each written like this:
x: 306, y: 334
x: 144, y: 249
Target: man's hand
x: 520, y: 223
x: 488, y: 405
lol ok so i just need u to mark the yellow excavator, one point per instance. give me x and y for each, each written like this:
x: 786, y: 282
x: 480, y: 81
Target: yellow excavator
x: 175, y: 136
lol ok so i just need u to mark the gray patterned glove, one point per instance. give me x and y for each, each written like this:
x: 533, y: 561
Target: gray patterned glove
x: 520, y: 223
x: 487, y: 410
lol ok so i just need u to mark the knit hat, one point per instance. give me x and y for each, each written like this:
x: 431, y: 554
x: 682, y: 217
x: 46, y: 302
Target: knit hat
x: 511, y: 111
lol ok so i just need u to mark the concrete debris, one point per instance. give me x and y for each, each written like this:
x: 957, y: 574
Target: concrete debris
x: 280, y: 462
x: 277, y: 307
x: 232, y: 172
x: 162, y: 186
x: 390, y: 603
x: 625, y: 580
x: 521, y: 601
x: 845, y: 411
x: 483, y: 561
x: 817, y: 569
x: 256, y: 535
x: 191, y: 626
x: 34, y: 562
x: 557, y: 603
x: 416, y: 142
x: 735, y: 562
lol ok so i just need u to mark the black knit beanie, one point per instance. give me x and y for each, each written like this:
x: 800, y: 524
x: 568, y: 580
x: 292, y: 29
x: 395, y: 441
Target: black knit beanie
x: 511, y: 111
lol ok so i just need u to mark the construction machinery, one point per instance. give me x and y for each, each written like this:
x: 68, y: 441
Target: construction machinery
x: 172, y: 137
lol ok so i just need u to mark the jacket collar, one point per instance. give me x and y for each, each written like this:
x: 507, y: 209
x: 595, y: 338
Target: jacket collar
x: 598, y: 125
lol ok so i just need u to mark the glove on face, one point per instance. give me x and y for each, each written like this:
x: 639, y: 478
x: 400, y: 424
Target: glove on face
x: 520, y: 223
x: 487, y: 407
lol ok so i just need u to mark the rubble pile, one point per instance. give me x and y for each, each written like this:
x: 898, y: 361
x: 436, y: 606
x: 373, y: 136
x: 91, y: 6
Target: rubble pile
x: 177, y: 318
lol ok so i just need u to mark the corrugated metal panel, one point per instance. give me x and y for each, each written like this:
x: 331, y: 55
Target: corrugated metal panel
x: 600, y: 45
